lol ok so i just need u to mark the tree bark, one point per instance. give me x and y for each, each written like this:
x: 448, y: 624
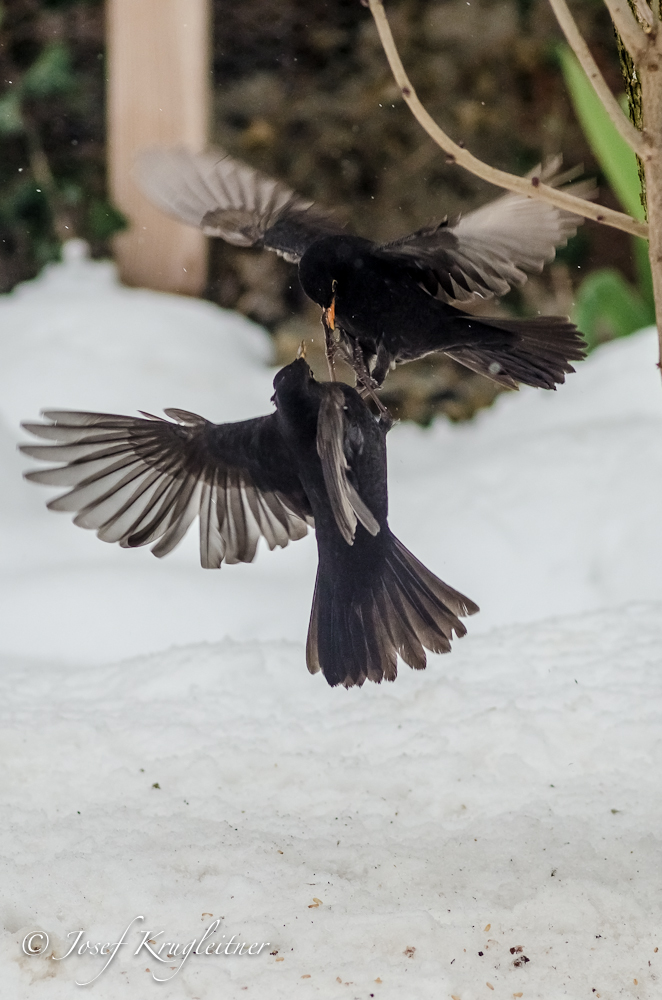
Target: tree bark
x: 643, y: 83
x: 650, y: 74
x: 635, y: 104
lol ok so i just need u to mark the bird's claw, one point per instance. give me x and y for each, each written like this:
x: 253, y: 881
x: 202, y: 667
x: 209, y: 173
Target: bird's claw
x: 367, y: 384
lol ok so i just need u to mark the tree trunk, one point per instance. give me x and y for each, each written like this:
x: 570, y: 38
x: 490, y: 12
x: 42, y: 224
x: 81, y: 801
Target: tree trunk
x: 158, y: 95
x: 635, y: 104
x: 650, y: 73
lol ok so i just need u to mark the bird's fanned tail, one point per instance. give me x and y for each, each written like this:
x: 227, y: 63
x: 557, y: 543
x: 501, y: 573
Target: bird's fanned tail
x: 405, y: 609
x: 538, y: 351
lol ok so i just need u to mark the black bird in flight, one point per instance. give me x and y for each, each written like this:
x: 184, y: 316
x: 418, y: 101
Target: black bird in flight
x: 392, y: 302
x: 319, y: 459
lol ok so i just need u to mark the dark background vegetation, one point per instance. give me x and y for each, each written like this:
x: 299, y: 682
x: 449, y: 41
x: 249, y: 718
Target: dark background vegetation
x: 302, y: 90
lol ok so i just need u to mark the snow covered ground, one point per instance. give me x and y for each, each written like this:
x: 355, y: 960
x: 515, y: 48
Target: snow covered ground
x: 515, y: 784
x: 379, y: 839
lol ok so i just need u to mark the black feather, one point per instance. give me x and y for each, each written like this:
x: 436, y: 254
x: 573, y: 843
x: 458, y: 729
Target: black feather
x: 320, y: 458
x: 397, y: 301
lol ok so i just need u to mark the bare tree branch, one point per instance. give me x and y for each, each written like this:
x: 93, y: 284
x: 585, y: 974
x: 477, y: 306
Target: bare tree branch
x: 530, y: 187
x: 645, y: 16
x: 626, y: 24
x: 626, y: 129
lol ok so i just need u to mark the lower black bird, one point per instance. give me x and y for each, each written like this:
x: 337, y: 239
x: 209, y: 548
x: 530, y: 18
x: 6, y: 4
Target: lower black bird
x: 319, y: 459
x: 398, y: 301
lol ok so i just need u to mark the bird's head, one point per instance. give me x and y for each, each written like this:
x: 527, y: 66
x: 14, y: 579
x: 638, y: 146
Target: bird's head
x: 317, y: 270
x: 295, y: 377
x: 327, y: 267
x: 332, y: 259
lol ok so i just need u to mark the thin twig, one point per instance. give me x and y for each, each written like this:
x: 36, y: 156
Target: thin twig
x: 626, y: 129
x: 645, y: 16
x: 626, y: 24
x: 529, y: 187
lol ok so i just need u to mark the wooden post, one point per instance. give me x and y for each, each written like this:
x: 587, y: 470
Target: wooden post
x: 158, y: 95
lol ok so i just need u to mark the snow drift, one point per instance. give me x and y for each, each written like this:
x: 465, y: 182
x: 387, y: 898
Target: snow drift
x: 489, y: 827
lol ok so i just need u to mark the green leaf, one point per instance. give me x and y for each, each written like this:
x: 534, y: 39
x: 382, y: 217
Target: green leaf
x: 70, y: 192
x: 612, y: 152
x: 607, y: 306
x: 45, y: 250
x: 11, y: 120
x: 51, y: 73
x: 104, y: 220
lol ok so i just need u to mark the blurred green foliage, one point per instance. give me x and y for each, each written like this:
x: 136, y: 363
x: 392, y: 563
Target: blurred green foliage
x: 617, y: 160
x: 52, y: 168
x: 606, y: 305
x: 50, y: 74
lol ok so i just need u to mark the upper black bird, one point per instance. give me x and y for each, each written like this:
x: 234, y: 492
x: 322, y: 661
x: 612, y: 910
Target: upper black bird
x: 320, y: 459
x: 396, y: 301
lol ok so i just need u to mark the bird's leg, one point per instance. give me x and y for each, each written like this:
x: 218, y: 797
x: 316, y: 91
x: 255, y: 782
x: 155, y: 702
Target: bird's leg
x: 367, y: 383
x: 381, y: 366
x: 330, y: 347
x: 384, y: 414
x: 360, y: 367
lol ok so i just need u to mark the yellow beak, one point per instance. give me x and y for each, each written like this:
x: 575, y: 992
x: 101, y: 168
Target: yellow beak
x: 330, y: 315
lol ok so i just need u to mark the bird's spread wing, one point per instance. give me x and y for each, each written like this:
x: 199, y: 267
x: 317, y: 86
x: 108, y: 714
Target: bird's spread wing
x: 335, y: 438
x: 489, y: 251
x: 137, y: 481
x: 229, y: 199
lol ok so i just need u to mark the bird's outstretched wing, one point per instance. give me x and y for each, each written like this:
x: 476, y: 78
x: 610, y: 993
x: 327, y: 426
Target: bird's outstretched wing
x: 492, y: 249
x: 336, y: 437
x: 137, y: 481
x: 227, y: 198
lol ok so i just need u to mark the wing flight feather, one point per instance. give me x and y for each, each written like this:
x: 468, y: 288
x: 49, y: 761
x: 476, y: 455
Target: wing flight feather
x: 138, y: 481
x: 227, y: 198
x: 491, y: 250
x: 332, y: 429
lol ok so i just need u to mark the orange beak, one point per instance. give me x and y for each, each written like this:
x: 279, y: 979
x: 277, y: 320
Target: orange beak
x: 330, y: 315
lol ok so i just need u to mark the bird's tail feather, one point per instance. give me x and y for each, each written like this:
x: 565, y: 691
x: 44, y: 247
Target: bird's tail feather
x: 538, y: 353
x: 404, y: 609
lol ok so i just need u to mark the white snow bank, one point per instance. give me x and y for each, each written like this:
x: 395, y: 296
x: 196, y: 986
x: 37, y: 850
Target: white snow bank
x: 506, y: 798
x: 378, y: 839
x: 76, y: 339
x: 546, y: 504
x: 550, y: 502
